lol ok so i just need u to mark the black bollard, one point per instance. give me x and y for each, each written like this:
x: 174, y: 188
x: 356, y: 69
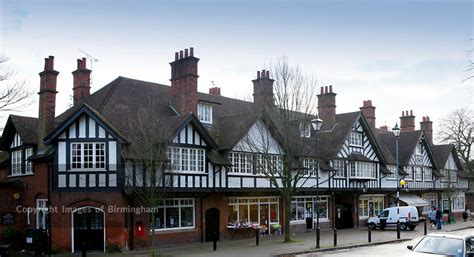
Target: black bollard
x: 369, y: 235
x: 318, y: 237
x: 84, y: 249
x: 257, y: 236
x: 335, y: 237
x: 425, y: 227
x: 214, y: 241
x: 398, y: 229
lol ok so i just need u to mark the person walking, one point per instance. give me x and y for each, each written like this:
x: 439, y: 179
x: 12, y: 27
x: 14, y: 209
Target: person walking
x: 438, y: 217
x: 432, y: 217
x: 468, y: 211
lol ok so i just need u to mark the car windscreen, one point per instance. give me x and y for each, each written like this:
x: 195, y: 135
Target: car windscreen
x: 440, y: 245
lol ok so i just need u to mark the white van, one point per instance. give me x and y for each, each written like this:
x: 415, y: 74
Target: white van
x: 408, y: 216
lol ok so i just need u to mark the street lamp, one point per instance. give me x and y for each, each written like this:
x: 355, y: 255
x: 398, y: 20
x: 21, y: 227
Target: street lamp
x: 396, y: 132
x: 317, y: 123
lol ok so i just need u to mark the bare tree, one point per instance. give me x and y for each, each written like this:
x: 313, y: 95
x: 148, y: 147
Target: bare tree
x: 280, y: 152
x: 149, y: 155
x: 458, y: 128
x: 13, y: 93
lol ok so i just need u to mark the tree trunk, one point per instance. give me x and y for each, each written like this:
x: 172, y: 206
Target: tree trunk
x: 153, y: 238
x: 287, y: 205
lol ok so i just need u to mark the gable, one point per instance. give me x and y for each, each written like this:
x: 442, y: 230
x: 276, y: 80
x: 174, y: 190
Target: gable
x: 366, y: 147
x: 16, y: 141
x: 450, y: 163
x: 189, y: 135
x: 420, y: 155
x: 258, y: 139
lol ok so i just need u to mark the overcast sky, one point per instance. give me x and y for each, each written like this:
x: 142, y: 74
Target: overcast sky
x: 403, y: 55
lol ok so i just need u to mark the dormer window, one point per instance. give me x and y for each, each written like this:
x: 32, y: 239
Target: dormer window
x: 355, y: 139
x: 305, y: 130
x: 205, y: 113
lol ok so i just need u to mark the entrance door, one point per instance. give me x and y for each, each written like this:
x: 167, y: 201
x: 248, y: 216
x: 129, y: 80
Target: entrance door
x: 89, y: 229
x: 212, y: 224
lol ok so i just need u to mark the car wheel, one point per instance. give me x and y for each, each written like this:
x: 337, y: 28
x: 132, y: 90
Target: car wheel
x: 403, y: 226
x: 412, y: 227
x: 372, y: 226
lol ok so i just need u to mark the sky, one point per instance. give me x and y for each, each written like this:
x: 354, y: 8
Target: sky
x: 402, y: 55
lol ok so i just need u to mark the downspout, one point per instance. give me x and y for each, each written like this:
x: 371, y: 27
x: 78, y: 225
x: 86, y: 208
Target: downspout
x: 49, y: 184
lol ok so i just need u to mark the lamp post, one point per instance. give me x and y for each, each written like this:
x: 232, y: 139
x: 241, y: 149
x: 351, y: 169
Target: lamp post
x: 396, y: 132
x: 317, y: 123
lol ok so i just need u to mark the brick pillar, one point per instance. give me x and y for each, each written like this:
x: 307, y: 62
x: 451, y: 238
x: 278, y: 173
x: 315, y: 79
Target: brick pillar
x: 427, y: 126
x: 184, y: 78
x: 407, y: 121
x: 263, y: 90
x: 368, y: 111
x: 47, y: 99
x: 327, y: 105
x: 82, y: 81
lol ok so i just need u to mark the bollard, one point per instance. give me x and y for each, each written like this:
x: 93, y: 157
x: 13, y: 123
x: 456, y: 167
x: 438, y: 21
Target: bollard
x: 318, y: 237
x: 398, y: 229
x: 257, y: 236
x: 369, y: 235
x: 335, y: 237
x: 84, y: 249
x: 214, y: 241
x: 425, y: 227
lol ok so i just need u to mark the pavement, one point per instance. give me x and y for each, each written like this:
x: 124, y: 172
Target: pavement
x: 304, y: 243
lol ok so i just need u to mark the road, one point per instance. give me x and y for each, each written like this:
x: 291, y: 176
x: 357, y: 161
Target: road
x: 385, y: 250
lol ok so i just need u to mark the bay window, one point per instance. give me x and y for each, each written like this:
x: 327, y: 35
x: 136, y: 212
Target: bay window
x: 339, y: 165
x: 363, y: 170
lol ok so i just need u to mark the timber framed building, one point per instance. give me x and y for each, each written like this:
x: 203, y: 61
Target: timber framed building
x: 82, y: 162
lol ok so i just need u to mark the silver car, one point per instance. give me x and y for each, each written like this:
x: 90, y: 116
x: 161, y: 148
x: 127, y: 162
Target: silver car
x: 444, y: 244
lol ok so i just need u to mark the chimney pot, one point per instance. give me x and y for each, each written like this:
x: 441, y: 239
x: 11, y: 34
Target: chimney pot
x: 181, y: 54
x: 176, y: 56
x: 191, y: 51
x: 258, y: 74
x: 263, y: 73
x: 268, y: 74
x: 411, y: 112
x: 186, y: 52
x: 326, y: 89
x: 330, y: 88
x: 322, y: 90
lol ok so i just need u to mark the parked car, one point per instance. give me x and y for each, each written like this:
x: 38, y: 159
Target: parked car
x: 444, y: 244
x: 407, y: 215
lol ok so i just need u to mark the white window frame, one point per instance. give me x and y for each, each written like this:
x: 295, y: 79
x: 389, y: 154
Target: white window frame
x: 459, y: 201
x: 428, y: 174
x: 239, y: 201
x: 186, y: 159
x: 41, y: 207
x: 339, y: 166
x: 310, y: 166
x: 205, y: 113
x: 28, y: 164
x: 418, y: 173
x: 170, y: 203
x: 312, y: 200
x: 241, y: 163
x: 82, y: 156
x: 392, y: 169
x: 356, y: 139
x: 370, y: 199
x: 364, y: 170
x: 16, y: 163
x: 305, y: 130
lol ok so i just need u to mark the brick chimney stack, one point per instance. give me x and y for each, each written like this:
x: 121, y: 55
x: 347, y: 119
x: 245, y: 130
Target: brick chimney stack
x: 427, y: 126
x: 384, y: 128
x: 407, y: 121
x: 184, y: 81
x: 215, y: 91
x: 82, y: 81
x: 327, y: 105
x: 263, y: 89
x: 47, y: 100
x: 368, y: 111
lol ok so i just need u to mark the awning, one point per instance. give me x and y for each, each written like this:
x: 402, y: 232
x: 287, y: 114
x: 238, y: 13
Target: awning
x: 413, y: 200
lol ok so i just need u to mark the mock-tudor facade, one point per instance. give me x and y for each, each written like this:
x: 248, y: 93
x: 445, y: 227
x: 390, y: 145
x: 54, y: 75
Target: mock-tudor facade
x: 71, y: 174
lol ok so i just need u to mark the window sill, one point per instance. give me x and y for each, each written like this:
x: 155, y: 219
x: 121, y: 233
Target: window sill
x: 21, y: 175
x: 358, y: 146
x: 296, y: 222
x: 173, y: 230
x: 87, y: 170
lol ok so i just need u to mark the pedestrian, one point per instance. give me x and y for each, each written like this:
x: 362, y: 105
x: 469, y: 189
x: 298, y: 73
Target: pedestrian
x: 464, y: 216
x: 438, y: 216
x: 432, y: 217
x: 468, y: 211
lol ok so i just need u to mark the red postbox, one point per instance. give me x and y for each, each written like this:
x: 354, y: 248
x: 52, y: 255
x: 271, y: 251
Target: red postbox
x: 139, y: 229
